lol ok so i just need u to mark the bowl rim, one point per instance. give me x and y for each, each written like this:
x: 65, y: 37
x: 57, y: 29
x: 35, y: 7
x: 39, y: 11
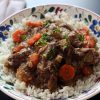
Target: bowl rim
x: 58, y: 4
x: 10, y: 94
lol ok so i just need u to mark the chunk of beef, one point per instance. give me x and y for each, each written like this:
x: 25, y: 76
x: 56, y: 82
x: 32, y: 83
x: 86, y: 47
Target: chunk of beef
x: 56, y: 33
x: 82, y: 51
x: 91, y: 57
x: 51, y: 51
x: 52, y: 83
x: 24, y: 74
x: 46, y: 75
x: 15, y: 60
x: 56, y: 36
x: 46, y: 80
x: 86, y: 56
x: 76, y: 40
x: 41, y: 50
x: 69, y: 27
x: 42, y: 78
x: 68, y: 54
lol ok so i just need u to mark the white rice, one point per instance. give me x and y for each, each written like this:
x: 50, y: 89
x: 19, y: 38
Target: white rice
x: 66, y: 91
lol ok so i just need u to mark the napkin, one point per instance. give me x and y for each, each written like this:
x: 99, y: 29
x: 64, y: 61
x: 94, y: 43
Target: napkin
x: 8, y: 7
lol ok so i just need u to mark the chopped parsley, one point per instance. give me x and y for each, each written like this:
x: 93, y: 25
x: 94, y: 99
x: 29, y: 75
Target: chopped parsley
x: 47, y: 23
x: 23, y: 37
x: 51, y: 54
x: 56, y: 30
x: 45, y: 37
x: 80, y: 37
x: 41, y: 43
x: 65, y: 36
x: 43, y: 40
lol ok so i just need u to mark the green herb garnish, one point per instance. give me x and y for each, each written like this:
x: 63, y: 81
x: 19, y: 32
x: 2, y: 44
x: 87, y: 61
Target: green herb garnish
x: 56, y: 30
x: 45, y: 37
x: 80, y: 37
x: 65, y: 36
x: 51, y: 54
x: 47, y: 23
x: 23, y: 37
x: 41, y: 43
x: 43, y: 40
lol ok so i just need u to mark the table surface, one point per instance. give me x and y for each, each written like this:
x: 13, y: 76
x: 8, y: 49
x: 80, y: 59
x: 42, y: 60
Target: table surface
x: 93, y: 5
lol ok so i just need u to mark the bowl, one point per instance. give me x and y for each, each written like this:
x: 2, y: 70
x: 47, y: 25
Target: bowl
x: 89, y: 17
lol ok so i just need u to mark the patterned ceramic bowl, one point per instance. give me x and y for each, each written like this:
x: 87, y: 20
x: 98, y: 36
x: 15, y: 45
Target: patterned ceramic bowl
x: 90, y: 18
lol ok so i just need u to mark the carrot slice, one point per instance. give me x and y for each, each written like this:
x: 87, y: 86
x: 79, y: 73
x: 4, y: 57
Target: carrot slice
x: 34, y: 39
x: 67, y: 72
x: 34, y: 58
x: 18, y: 48
x: 84, y: 31
x: 17, y: 35
x: 91, y: 42
x: 87, y: 70
x: 34, y: 24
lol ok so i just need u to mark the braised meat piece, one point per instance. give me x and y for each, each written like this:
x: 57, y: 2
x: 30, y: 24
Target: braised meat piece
x: 15, y: 60
x: 69, y: 27
x: 46, y: 75
x: 76, y: 40
x: 46, y: 79
x: 25, y: 74
x: 87, y: 56
x: 52, y: 83
x: 68, y: 54
x: 42, y: 78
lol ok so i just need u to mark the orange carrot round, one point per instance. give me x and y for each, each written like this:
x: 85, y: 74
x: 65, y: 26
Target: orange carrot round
x: 34, y: 58
x: 67, y: 72
x: 91, y: 42
x: 17, y: 35
x: 84, y: 31
x: 34, y: 24
x: 18, y: 48
x: 34, y: 39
